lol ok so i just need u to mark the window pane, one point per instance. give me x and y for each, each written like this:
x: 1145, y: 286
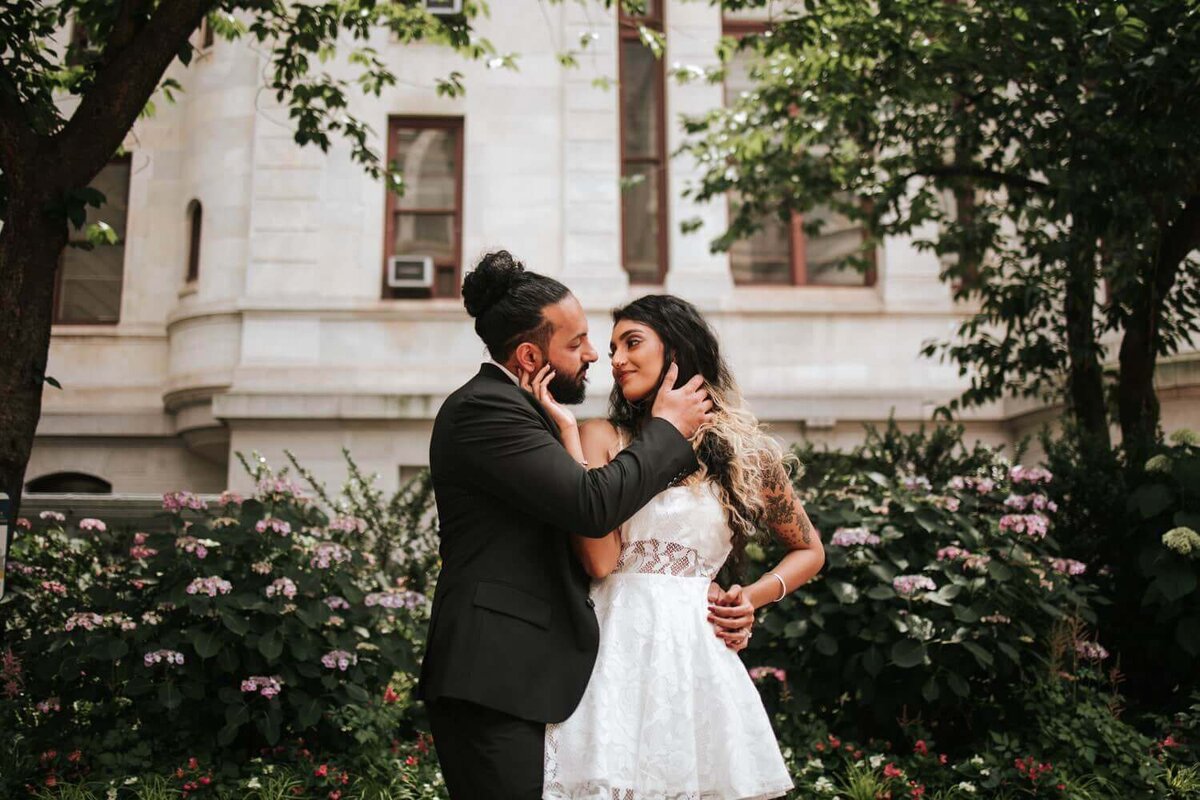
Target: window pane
x: 427, y: 157
x: 424, y: 235
x: 90, y: 284
x: 640, y: 100
x: 765, y: 257
x: 640, y: 223
x: 825, y: 252
x: 113, y: 182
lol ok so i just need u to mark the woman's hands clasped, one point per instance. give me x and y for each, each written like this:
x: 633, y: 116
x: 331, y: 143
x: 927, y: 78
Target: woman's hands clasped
x: 539, y: 386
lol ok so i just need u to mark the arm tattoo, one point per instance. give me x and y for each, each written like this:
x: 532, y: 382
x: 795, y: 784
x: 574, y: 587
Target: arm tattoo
x: 787, y: 521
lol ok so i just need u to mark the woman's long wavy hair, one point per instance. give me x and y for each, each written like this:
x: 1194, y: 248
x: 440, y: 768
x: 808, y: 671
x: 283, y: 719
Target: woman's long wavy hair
x: 732, y: 449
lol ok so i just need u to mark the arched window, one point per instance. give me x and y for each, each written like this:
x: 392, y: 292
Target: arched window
x: 68, y: 483
x: 195, y: 217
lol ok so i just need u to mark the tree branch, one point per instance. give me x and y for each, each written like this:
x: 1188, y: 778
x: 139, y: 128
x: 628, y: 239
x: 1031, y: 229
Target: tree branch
x: 122, y: 86
x: 957, y: 171
x: 130, y: 17
x: 1180, y: 238
x: 16, y: 135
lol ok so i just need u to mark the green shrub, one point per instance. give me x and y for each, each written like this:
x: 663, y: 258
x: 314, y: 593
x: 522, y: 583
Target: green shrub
x: 1141, y: 525
x: 252, y: 621
x: 937, y: 596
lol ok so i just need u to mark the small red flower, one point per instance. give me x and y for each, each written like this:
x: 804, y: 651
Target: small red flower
x: 321, y: 771
x: 390, y: 696
x: 75, y: 756
x: 943, y: 758
x: 51, y: 780
x: 193, y: 763
x: 834, y: 742
x: 411, y: 761
x: 820, y: 747
x: 205, y: 780
x: 335, y: 795
x: 920, y: 748
x: 890, y: 770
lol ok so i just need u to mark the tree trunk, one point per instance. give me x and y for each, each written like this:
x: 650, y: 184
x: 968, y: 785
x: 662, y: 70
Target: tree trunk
x: 1085, y: 378
x: 30, y: 243
x: 1137, y: 401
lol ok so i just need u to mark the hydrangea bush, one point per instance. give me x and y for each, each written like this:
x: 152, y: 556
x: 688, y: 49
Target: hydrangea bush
x: 254, y: 619
x: 943, y: 579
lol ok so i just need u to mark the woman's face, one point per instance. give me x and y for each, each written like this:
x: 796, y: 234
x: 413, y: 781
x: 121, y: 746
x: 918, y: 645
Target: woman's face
x: 636, y: 352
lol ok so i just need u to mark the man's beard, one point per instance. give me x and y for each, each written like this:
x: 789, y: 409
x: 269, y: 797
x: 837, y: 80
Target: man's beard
x: 569, y: 390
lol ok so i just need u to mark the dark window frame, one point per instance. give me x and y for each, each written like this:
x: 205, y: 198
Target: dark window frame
x: 797, y: 240
x: 627, y: 27
x: 392, y: 207
x: 74, y: 235
x: 195, y: 214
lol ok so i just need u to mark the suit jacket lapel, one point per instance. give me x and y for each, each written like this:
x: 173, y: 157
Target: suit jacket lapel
x: 492, y: 372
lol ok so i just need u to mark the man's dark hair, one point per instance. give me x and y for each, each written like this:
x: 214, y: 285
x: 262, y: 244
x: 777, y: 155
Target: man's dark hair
x: 506, y: 301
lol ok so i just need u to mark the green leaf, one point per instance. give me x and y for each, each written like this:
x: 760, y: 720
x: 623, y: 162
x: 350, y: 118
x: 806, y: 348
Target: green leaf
x: 1152, y: 499
x: 930, y: 689
x: 206, y: 643
x: 957, y: 685
x: 826, y: 644
x: 235, y: 622
x: 982, y: 656
x: 908, y: 653
x: 271, y: 645
x: 357, y: 693
x: 881, y: 592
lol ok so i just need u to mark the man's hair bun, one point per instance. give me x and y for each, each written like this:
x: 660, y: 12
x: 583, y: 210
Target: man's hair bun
x: 490, y: 281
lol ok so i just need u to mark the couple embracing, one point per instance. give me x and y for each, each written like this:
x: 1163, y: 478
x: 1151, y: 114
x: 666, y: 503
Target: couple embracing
x: 579, y: 646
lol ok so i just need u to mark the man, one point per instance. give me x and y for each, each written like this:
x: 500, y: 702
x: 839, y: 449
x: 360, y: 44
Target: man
x: 512, y: 637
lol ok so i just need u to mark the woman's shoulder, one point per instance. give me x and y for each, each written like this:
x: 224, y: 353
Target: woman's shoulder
x: 599, y: 429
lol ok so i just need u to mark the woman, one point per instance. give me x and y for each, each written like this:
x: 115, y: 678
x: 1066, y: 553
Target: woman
x: 670, y: 711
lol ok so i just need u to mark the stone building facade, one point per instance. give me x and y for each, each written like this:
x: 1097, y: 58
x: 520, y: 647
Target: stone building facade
x: 248, y: 307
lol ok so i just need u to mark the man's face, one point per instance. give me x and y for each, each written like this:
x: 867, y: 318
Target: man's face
x: 571, y: 351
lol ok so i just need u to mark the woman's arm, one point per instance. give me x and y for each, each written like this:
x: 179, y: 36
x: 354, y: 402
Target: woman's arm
x: 788, y: 522
x: 599, y: 557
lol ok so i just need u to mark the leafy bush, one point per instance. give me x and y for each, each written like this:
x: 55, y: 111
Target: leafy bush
x: 251, y: 622
x: 938, y: 595
x: 1141, y: 523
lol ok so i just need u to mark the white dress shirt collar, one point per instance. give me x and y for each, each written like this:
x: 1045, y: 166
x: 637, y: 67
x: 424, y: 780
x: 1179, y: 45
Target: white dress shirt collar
x: 504, y: 369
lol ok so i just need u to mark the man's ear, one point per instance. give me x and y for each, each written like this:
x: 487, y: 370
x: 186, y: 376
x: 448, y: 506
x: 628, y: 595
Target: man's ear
x: 530, y: 357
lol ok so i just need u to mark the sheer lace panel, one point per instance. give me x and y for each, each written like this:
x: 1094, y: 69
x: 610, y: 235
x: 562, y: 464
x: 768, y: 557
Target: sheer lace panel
x: 655, y: 556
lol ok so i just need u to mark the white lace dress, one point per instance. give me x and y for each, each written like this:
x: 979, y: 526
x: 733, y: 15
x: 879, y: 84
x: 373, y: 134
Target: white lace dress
x: 670, y: 712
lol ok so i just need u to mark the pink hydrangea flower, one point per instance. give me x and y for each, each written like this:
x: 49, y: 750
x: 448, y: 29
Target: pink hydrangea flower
x: 48, y: 705
x: 348, y: 524
x: 267, y: 685
x: 1092, y: 651
x: 22, y: 522
x: 92, y: 524
x: 54, y: 587
x: 279, y: 526
x: 328, y: 553
x: 1068, y: 566
x: 334, y: 602
x: 758, y: 673
x: 1034, y: 525
x: 88, y: 620
x: 52, y: 516
x: 158, y: 656
x: 190, y: 544
x: 140, y: 551
x: 339, y: 659
x: 396, y: 599
x: 849, y: 537
x: 230, y: 498
x: 177, y: 501
x: 282, y: 586
x: 209, y: 586
x: 908, y: 585
x: 1035, y: 475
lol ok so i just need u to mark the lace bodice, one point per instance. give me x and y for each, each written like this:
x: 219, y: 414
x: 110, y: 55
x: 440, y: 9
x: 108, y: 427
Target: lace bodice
x: 682, y: 531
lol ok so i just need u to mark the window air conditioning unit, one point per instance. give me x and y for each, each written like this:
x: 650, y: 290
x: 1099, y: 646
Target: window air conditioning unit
x: 441, y: 8
x: 410, y: 272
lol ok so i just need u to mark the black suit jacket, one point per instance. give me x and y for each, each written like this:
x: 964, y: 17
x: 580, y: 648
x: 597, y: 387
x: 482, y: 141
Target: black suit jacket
x: 512, y: 626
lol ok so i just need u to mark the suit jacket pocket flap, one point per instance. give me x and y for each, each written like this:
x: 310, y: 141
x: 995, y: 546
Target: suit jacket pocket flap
x: 513, y: 602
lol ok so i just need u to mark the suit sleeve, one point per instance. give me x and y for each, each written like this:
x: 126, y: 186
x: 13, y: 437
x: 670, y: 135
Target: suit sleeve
x: 511, y: 453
